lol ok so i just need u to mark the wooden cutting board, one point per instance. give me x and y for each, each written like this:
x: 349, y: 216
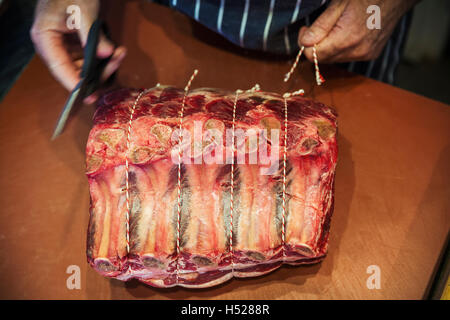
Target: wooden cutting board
x: 392, y: 207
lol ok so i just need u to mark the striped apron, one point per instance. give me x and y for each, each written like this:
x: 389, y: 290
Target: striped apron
x: 272, y: 26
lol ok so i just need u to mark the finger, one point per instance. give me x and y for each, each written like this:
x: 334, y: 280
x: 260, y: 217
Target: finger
x: 50, y: 46
x: 113, y: 64
x: 360, y: 52
x: 301, y: 33
x: 327, y: 53
x: 323, y: 24
x: 105, y: 47
x: 339, y: 40
x: 321, y: 58
x: 91, y: 98
x: 78, y: 63
x: 343, y: 56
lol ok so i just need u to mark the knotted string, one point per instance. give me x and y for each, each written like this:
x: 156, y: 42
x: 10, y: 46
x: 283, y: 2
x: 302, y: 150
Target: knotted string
x: 319, y: 79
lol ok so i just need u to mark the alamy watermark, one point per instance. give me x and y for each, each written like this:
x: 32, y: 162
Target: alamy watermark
x: 251, y: 146
x: 374, y: 280
x: 73, y: 21
x: 374, y: 20
x: 74, y: 280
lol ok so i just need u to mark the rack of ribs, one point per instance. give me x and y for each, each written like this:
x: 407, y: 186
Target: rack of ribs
x: 254, y: 188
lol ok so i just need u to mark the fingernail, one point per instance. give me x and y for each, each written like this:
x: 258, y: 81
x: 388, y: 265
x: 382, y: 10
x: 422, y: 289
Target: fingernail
x: 89, y: 100
x: 104, y: 50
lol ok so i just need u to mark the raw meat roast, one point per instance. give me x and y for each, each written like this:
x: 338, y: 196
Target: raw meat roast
x: 202, y: 222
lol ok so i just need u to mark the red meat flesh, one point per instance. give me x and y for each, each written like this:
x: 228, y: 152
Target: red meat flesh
x: 204, y: 257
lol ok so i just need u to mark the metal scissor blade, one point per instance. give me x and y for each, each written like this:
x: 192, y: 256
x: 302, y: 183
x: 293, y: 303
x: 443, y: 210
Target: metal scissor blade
x: 65, y: 112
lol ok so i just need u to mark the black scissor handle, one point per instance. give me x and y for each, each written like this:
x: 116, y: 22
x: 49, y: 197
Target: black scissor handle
x: 93, y: 66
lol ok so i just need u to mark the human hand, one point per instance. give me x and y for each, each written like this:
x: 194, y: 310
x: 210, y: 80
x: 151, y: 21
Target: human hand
x: 341, y: 34
x: 61, y: 47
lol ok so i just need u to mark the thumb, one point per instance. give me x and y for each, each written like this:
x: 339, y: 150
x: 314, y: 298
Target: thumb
x: 323, y: 24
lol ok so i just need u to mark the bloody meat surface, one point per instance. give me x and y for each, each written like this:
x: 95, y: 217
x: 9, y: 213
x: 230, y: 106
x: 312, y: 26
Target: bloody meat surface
x: 226, y: 224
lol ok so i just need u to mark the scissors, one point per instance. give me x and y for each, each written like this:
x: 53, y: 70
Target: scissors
x: 90, y: 74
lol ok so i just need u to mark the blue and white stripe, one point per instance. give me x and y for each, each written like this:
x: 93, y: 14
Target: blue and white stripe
x: 220, y: 16
x: 244, y: 23
x: 287, y: 43
x: 396, y: 57
x: 197, y: 10
x: 384, y: 62
x: 260, y: 27
x: 268, y: 22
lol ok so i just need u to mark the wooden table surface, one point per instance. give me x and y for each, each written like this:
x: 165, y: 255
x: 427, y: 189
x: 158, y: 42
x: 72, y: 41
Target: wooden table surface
x: 392, y: 204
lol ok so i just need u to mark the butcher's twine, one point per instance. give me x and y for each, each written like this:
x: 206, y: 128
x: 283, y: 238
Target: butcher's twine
x: 233, y: 149
x: 186, y: 91
x: 127, y: 167
x: 232, y: 178
x: 283, y: 218
x: 285, y: 129
x: 319, y: 79
x: 297, y: 59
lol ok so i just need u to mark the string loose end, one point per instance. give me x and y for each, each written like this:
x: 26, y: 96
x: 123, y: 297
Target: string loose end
x: 319, y: 79
x: 294, y: 65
